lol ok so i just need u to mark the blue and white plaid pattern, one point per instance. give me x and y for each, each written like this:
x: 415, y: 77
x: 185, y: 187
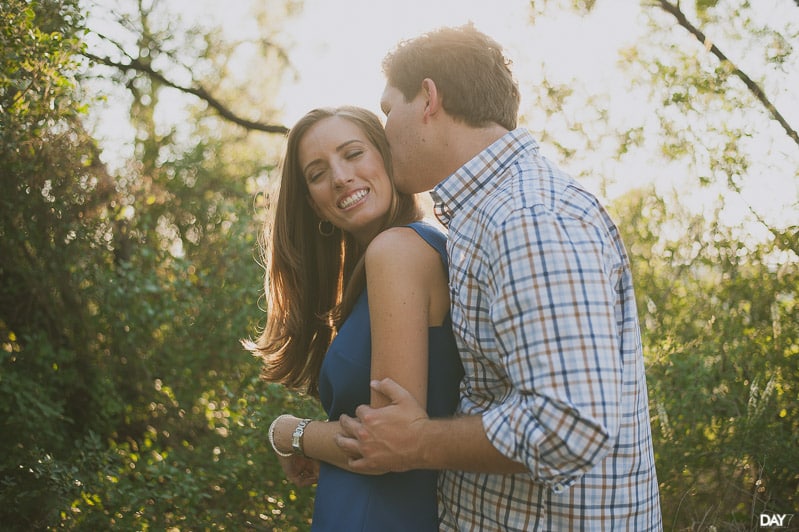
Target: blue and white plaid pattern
x: 544, y: 314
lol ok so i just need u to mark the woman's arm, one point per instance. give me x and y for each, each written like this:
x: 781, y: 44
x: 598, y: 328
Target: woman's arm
x: 407, y: 288
x: 317, y: 444
x: 408, y: 293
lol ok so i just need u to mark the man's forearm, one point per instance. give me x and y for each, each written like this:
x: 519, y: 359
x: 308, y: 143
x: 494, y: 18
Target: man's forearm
x: 400, y: 436
x: 460, y: 443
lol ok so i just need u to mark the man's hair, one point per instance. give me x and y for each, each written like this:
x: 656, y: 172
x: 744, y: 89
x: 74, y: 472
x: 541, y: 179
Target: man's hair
x: 469, y: 70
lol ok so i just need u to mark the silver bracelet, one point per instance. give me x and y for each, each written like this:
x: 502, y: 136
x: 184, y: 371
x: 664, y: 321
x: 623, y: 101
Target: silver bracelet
x: 271, y: 436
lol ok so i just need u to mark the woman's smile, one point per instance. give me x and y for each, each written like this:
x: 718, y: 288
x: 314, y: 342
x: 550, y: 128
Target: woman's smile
x: 352, y: 199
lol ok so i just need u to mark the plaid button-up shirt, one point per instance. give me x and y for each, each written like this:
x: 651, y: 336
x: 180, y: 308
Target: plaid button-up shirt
x: 544, y: 314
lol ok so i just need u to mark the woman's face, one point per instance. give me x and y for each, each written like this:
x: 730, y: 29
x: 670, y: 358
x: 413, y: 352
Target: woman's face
x: 347, y: 180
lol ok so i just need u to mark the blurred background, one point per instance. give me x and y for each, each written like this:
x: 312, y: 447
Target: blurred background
x: 139, y: 151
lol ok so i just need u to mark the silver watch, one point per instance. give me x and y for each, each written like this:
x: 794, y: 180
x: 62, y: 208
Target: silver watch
x: 296, y: 438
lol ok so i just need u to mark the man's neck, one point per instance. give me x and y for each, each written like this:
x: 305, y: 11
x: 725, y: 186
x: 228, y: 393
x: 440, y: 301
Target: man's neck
x: 464, y: 143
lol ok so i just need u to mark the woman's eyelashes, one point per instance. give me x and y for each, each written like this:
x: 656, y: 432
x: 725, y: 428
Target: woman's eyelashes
x: 317, y: 173
x: 314, y: 176
x: 353, y: 154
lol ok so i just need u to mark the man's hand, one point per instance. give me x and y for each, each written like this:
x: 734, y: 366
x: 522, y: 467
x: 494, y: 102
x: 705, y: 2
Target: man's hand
x: 300, y: 470
x: 384, y: 439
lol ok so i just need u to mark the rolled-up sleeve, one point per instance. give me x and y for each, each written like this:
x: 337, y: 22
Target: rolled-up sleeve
x: 553, y: 287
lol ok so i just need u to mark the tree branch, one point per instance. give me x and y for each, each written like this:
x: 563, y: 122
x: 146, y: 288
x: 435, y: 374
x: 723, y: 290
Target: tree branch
x: 138, y: 66
x: 751, y: 85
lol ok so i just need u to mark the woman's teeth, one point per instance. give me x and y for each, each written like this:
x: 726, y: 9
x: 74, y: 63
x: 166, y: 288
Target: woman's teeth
x: 349, y: 201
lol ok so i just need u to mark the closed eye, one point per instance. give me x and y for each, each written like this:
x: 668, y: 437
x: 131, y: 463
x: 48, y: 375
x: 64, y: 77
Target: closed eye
x: 310, y: 177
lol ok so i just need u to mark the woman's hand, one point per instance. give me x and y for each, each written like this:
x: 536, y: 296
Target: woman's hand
x: 300, y: 470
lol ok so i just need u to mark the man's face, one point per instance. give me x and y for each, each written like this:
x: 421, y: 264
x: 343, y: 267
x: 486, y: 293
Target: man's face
x: 404, y: 121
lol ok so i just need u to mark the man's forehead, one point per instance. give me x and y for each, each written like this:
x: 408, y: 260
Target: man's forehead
x: 388, y: 97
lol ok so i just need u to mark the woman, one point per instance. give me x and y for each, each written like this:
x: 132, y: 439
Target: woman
x: 357, y: 290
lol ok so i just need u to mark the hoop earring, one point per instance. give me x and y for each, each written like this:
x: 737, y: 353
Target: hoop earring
x: 326, y: 230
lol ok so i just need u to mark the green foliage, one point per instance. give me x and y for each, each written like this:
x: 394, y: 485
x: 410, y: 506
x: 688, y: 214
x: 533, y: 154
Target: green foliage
x: 223, y: 478
x: 721, y: 336
x: 37, y: 45
x: 51, y: 232
x: 703, y: 5
x: 719, y: 306
x: 126, y: 401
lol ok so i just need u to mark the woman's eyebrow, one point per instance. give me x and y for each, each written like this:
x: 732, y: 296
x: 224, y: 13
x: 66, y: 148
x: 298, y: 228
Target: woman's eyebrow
x: 345, y: 144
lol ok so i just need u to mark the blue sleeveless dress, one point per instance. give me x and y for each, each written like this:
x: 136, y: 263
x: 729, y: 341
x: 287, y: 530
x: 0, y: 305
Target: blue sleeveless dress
x: 395, y: 501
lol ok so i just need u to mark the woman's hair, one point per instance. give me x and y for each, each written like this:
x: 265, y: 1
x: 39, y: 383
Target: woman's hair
x: 312, y: 281
x: 469, y: 70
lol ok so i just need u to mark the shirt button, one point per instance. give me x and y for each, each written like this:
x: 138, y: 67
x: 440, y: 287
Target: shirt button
x: 558, y: 487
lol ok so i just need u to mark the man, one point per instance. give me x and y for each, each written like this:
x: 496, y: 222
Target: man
x: 553, y: 428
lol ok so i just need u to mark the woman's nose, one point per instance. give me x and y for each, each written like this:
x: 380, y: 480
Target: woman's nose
x: 340, y: 176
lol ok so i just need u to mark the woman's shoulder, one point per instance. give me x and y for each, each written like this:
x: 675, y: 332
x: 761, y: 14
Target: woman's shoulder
x: 394, y: 240
x: 407, y: 243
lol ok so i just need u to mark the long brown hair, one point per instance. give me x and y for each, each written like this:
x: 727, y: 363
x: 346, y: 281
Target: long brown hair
x: 312, y: 281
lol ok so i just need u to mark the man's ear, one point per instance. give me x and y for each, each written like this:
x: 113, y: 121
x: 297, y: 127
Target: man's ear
x: 432, y: 98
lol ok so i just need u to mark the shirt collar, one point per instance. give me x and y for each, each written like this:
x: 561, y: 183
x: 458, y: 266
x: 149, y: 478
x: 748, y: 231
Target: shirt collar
x: 460, y: 189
